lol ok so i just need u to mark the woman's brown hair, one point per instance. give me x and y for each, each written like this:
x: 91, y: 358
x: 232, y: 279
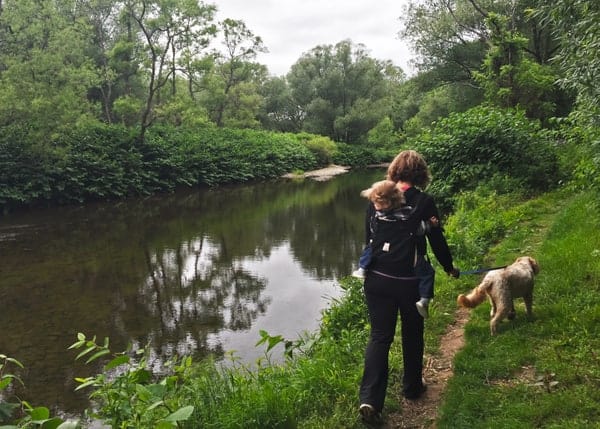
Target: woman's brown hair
x: 409, y: 166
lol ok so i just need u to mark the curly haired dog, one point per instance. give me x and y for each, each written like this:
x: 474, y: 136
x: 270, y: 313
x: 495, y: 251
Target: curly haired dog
x: 501, y: 287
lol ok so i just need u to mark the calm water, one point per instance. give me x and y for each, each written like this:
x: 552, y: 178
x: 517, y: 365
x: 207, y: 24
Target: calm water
x: 193, y: 273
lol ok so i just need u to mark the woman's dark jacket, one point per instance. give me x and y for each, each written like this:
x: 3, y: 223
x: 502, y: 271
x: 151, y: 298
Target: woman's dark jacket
x: 426, y: 209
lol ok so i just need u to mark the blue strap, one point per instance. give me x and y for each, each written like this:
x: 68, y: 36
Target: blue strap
x: 482, y: 270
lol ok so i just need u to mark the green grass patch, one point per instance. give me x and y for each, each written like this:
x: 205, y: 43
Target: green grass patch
x: 545, y: 372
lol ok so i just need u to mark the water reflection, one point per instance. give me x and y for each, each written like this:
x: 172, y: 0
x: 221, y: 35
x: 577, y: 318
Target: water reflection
x: 192, y: 273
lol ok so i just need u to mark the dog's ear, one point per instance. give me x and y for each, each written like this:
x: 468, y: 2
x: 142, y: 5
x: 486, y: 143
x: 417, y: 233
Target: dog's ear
x: 534, y: 265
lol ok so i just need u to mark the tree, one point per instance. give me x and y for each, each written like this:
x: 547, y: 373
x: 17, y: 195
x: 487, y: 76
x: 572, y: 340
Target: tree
x: 44, y: 70
x: 512, y: 80
x: 341, y: 92
x: 575, y: 25
x: 164, y: 25
x: 280, y: 112
x: 453, y: 33
x: 235, y: 67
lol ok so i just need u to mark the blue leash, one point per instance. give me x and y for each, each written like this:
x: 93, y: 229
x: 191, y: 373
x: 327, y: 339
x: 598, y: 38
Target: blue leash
x: 482, y: 270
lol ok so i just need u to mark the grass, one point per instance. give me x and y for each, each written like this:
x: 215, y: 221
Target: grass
x: 540, y: 373
x: 544, y: 373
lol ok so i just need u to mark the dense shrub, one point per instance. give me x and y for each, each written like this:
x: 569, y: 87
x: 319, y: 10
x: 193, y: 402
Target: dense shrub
x: 488, y: 145
x: 358, y: 156
x: 101, y: 161
x: 323, y: 148
x: 27, y: 170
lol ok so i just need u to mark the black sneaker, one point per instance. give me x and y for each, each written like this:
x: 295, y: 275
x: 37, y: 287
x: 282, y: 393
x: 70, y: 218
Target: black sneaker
x: 418, y: 394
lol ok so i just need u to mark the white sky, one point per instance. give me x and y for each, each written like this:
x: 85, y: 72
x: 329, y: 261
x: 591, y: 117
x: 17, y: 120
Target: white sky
x: 290, y: 28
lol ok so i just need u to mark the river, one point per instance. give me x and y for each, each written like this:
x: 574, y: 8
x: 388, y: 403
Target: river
x: 197, y: 272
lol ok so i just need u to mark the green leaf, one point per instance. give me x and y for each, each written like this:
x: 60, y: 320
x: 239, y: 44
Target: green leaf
x: 183, y: 413
x: 40, y: 413
x: 143, y: 393
x: 52, y: 423
x: 90, y: 382
x: 97, y: 355
x: 16, y: 362
x: 85, y: 352
x: 119, y: 360
x: 154, y: 405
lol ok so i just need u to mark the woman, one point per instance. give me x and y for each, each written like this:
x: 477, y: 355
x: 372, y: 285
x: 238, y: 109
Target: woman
x: 388, y: 293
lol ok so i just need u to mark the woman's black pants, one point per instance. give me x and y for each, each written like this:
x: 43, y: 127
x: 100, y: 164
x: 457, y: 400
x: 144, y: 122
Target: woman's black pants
x: 385, y: 298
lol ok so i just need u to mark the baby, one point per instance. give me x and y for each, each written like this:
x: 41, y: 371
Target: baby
x: 387, y: 197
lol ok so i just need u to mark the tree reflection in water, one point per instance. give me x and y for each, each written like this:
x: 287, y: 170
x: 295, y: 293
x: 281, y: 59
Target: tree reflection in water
x: 189, y: 292
x: 191, y: 273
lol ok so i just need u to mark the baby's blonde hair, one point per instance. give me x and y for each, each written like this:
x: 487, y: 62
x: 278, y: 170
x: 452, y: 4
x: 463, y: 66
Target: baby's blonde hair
x: 385, y: 192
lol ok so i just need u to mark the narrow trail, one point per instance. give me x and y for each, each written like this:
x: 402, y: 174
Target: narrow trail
x: 422, y: 413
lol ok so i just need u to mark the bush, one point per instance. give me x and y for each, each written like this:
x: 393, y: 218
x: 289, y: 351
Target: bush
x: 484, y: 144
x: 359, y: 156
x: 99, y: 161
x: 323, y: 148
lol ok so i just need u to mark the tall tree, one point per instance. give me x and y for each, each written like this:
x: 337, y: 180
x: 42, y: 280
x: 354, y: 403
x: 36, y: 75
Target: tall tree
x: 575, y: 24
x: 164, y: 25
x: 342, y: 92
x: 236, y: 72
x: 44, y: 70
x: 452, y: 34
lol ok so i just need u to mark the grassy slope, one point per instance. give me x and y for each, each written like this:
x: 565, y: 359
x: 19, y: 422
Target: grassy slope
x: 544, y: 373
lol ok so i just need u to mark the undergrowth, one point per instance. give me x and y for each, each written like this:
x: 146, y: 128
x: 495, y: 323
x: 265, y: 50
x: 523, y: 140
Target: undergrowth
x: 544, y: 373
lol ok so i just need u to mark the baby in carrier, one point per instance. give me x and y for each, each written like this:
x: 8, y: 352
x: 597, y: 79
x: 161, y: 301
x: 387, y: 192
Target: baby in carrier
x: 388, y: 200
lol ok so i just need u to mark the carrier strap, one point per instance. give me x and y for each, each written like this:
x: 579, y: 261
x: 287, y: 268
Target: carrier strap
x: 389, y: 276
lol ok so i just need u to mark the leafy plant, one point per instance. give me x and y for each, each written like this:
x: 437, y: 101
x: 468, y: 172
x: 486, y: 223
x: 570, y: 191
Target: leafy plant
x: 126, y: 392
x: 483, y: 144
x: 31, y: 417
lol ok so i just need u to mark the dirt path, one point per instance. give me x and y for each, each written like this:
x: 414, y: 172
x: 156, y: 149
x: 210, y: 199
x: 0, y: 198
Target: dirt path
x: 422, y: 413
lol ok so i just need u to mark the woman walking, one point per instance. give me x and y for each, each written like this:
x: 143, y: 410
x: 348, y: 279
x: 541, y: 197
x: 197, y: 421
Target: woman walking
x: 391, y: 286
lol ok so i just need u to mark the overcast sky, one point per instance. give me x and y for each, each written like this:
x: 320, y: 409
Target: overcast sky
x: 290, y: 28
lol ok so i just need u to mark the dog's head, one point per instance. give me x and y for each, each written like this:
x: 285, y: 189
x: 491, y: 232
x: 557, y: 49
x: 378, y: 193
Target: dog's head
x: 532, y: 263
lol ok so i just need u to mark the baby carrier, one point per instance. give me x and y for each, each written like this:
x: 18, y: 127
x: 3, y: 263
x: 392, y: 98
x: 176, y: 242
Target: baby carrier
x: 394, y: 240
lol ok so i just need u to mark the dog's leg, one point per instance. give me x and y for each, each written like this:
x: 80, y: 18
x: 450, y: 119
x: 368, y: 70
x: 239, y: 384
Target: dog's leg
x: 493, y: 304
x: 512, y: 313
x: 501, y: 313
x: 528, y: 298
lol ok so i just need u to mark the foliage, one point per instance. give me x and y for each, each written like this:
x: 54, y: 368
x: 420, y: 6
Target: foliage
x: 30, y: 417
x: 341, y: 91
x: 108, y: 161
x: 541, y: 372
x: 512, y: 80
x: 574, y: 24
x: 359, y: 156
x: 26, y: 169
x: 126, y: 393
x: 579, y: 152
x: 486, y: 144
x: 323, y: 148
x: 383, y: 135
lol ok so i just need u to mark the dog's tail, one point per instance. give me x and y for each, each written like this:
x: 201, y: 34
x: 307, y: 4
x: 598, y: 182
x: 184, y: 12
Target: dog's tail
x: 475, y: 297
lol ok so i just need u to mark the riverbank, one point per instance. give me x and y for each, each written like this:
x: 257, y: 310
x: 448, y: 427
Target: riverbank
x: 321, y: 174
x: 327, y: 173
